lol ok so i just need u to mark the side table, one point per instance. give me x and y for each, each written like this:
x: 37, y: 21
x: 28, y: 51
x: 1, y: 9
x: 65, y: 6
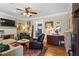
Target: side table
x: 25, y: 43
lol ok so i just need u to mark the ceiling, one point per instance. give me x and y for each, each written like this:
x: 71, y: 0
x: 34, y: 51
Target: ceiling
x: 43, y: 9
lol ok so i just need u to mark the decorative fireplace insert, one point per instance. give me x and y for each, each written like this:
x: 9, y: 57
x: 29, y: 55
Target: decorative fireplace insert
x: 8, y: 36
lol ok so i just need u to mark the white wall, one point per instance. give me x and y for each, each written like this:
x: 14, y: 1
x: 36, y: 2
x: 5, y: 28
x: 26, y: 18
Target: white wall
x: 63, y: 19
x: 8, y: 30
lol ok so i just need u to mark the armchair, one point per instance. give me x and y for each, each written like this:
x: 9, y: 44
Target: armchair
x: 37, y: 43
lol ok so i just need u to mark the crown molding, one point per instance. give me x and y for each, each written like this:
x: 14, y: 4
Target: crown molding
x: 53, y: 15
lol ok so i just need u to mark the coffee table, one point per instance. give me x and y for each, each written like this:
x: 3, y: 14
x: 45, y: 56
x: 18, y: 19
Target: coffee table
x: 23, y: 41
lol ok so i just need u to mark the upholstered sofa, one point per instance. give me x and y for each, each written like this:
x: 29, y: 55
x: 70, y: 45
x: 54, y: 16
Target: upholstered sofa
x: 7, y: 41
x: 13, y: 51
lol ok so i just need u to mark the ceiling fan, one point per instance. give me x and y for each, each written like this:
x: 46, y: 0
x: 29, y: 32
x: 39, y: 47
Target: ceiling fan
x: 27, y: 11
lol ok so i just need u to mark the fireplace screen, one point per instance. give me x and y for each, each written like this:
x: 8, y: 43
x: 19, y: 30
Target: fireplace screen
x: 10, y: 36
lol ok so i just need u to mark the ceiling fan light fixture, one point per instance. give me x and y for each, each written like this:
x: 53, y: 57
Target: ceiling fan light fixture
x: 24, y: 13
x: 29, y: 14
x: 27, y: 11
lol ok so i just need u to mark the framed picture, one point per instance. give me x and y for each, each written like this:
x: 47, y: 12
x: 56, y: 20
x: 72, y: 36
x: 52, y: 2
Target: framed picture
x: 58, y: 23
x: 49, y: 24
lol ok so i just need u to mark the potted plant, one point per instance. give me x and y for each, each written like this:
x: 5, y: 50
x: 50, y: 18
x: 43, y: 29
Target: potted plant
x: 23, y: 35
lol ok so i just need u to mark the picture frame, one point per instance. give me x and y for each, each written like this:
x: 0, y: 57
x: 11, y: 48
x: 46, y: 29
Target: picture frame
x: 48, y: 24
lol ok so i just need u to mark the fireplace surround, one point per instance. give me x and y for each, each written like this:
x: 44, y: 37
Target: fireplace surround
x: 8, y: 36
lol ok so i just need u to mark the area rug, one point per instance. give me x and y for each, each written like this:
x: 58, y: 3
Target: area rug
x: 35, y: 52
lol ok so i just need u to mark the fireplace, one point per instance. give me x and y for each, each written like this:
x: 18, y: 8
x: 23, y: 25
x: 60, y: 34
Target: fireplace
x: 8, y: 36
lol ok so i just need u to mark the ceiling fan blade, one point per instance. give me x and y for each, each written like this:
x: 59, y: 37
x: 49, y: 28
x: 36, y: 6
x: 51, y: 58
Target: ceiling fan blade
x: 26, y: 10
x: 29, y: 12
x: 33, y: 12
x: 19, y: 9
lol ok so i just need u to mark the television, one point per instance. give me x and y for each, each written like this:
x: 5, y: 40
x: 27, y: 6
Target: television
x: 7, y: 22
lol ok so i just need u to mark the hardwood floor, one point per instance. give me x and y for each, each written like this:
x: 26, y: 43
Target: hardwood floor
x: 55, y: 51
x: 52, y: 50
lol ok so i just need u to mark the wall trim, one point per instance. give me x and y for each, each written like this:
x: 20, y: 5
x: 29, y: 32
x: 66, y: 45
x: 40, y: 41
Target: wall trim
x: 57, y: 14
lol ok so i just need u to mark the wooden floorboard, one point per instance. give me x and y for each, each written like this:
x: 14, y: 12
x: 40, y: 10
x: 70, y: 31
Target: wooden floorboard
x: 55, y: 50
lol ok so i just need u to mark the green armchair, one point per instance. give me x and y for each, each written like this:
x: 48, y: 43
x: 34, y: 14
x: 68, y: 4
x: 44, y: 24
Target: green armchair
x: 4, y: 47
